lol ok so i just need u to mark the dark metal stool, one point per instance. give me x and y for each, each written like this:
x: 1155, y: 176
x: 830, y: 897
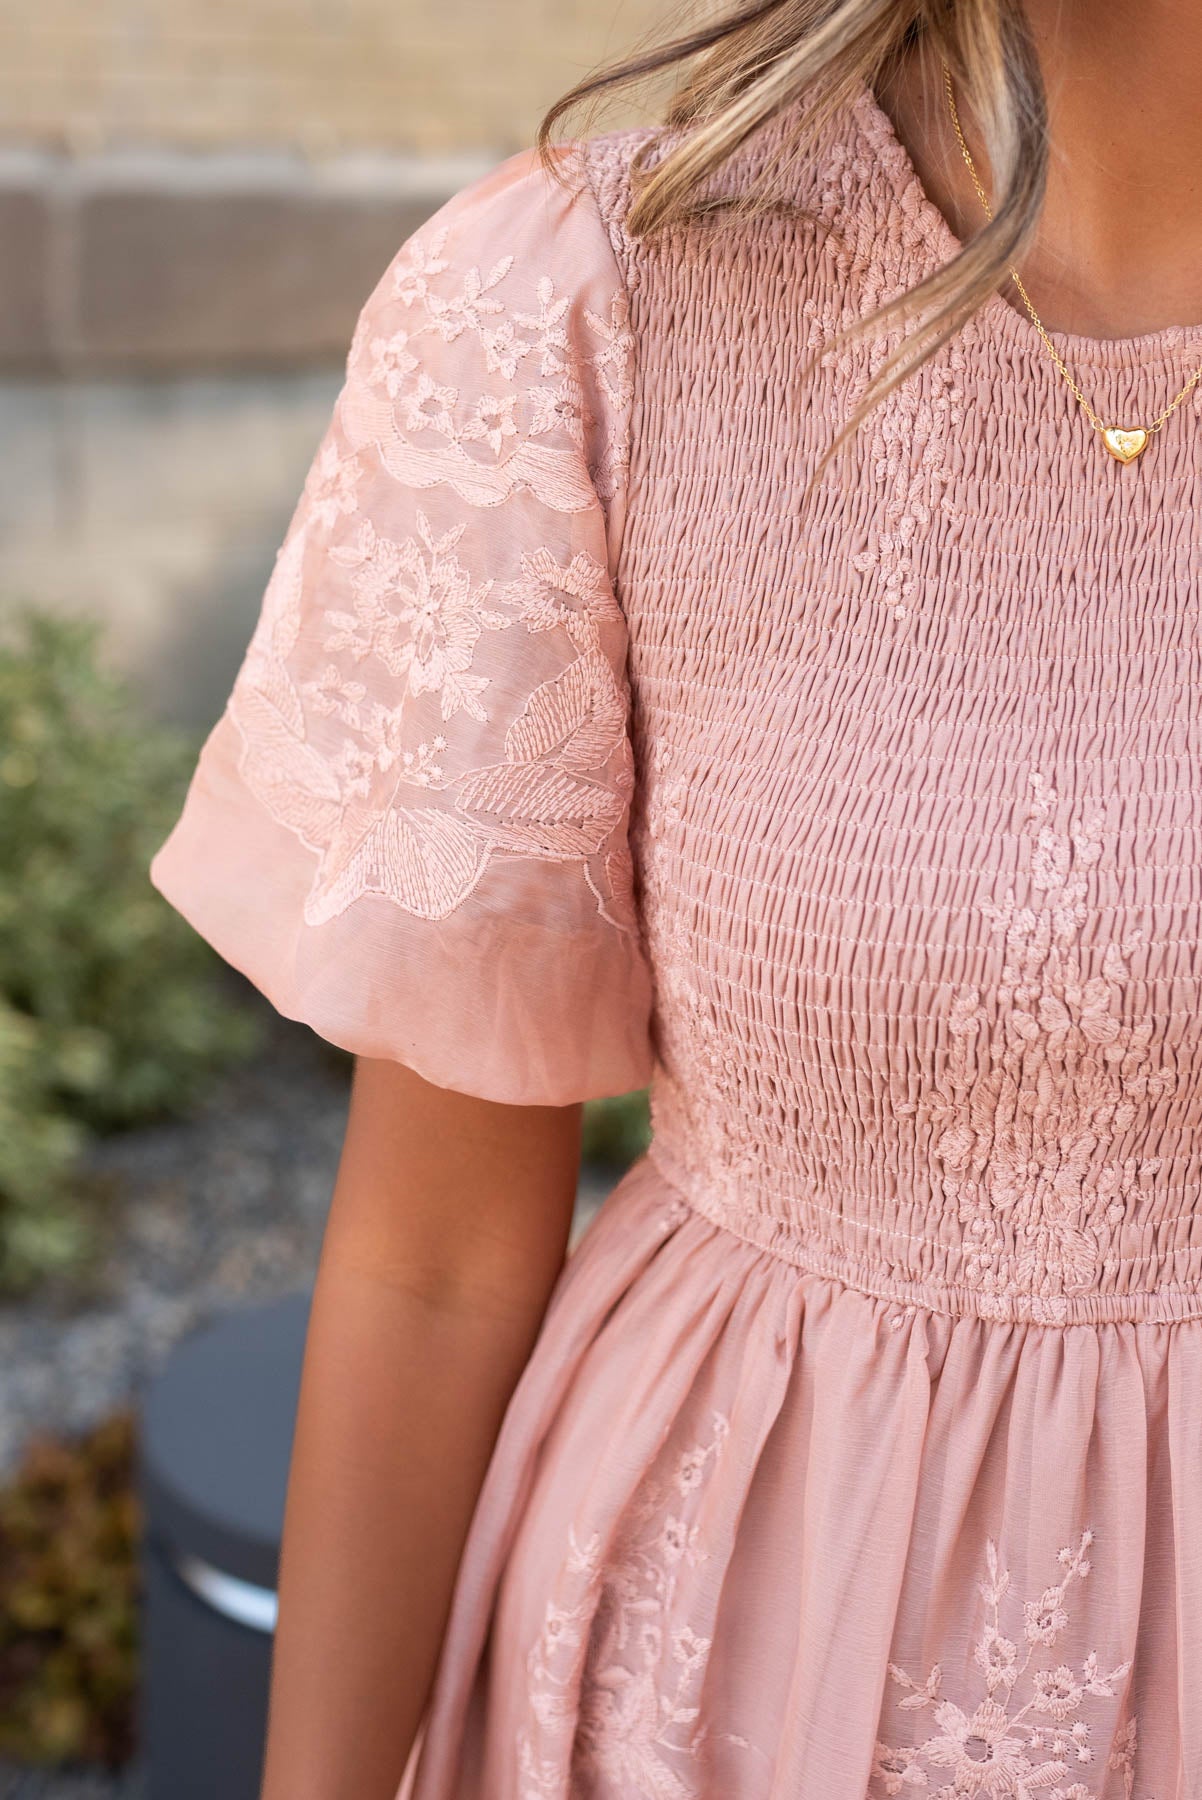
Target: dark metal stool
x: 215, y: 1445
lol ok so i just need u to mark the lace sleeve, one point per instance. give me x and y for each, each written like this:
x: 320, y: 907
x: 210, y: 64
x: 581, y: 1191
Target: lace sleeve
x: 409, y: 827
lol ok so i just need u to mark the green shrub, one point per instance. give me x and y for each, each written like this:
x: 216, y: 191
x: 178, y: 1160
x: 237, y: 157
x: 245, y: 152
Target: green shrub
x: 109, y: 1010
x: 42, y: 1226
x: 616, y: 1131
x: 69, y: 1528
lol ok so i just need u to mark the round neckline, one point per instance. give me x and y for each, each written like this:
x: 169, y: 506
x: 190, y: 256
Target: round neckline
x: 1103, y: 353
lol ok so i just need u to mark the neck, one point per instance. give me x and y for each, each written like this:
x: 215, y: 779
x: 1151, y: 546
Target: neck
x: 1124, y: 85
x: 1145, y: 56
x: 1119, y: 249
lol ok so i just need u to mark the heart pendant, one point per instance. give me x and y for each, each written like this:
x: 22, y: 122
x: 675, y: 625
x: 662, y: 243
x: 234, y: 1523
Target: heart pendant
x: 1125, y: 446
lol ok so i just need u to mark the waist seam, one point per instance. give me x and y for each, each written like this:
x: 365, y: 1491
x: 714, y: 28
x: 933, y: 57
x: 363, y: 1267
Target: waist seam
x: 1172, y: 1303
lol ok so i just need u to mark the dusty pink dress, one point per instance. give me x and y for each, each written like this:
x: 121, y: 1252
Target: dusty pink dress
x: 861, y: 1451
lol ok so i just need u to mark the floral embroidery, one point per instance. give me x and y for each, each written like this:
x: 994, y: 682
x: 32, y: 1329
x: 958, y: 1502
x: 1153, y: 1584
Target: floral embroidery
x: 424, y: 694
x: 698, y: 1085
x: 330, y: 484
x: 615, y: 1675
x: 417, y: 610
x: 913, y: 430
x: 915, y: 426
x: 1024, y: 1122
x: 696, y: 1093
x: 1011, y: 1747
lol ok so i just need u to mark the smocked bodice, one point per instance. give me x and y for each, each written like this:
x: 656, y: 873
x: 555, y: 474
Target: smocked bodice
x: 917, y: 840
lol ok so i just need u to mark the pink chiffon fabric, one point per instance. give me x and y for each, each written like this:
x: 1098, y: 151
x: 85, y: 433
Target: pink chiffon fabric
x: 582, y: 744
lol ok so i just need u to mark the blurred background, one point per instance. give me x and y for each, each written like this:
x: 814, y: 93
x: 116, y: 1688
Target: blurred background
x: 196, y: 197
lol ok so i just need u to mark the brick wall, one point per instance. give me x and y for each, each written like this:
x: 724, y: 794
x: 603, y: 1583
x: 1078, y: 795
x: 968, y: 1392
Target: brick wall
x: 208, y: 183
x: 196, y: 196
x: 422, y: 76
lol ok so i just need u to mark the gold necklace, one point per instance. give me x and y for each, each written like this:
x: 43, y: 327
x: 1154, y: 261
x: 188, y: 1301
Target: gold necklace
x: 1124, y: 443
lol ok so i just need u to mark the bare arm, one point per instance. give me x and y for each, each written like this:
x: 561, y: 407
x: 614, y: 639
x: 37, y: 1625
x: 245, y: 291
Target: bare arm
x: 448, y: 1227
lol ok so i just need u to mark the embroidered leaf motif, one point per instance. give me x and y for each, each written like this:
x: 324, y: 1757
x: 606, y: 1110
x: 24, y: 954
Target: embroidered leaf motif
x: 428, y: 689
x: 553, y: 476
x: 580, y: 714
x: 275, y: 637
x: 301, y: 792
x: 424, y: 860
x: 536, y: 810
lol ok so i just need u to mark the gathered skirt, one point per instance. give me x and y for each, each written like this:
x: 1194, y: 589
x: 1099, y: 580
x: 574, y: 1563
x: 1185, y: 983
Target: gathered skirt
x: 750, y: 1532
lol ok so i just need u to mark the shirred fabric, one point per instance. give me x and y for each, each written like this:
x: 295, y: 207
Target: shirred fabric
x: 860, y: 1453
x: 410, y: 825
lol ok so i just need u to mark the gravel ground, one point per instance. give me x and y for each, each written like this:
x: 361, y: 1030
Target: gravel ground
x: 219, y: 1210
x: 223, y: 1208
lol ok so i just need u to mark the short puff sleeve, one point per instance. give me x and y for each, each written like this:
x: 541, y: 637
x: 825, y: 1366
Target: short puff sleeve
x: 409, y: 827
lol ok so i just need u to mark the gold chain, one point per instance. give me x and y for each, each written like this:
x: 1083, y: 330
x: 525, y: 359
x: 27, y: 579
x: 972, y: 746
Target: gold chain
x: 1125, y: 445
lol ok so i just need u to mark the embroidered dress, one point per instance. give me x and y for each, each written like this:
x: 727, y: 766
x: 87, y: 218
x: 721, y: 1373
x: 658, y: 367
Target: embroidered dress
x: 578, y: 746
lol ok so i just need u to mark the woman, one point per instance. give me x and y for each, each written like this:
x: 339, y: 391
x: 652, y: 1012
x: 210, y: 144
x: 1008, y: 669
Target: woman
x: 676, y: 669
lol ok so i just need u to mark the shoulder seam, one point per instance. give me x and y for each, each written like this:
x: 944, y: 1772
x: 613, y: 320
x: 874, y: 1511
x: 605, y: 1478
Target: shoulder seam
x: 616, y: 247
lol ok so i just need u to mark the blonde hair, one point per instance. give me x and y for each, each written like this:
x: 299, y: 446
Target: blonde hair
x: 743, y: 68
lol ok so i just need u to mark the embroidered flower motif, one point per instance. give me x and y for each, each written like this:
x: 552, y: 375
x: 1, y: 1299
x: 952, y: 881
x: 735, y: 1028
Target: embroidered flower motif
x: 1057, y: 1692
x: 378, y: 723
x: 427, y: 405
x: 1027, y: 1121
x: 418, y: 612
x: 491, y: 422
x: 547, y: 327
x: 914, y: 427
x: 392, y: 362
x: 330, y: 485
x: 1005, y: 1746
x: 697, y: 1077
x: 615, y: 1675
x: 471, y: 308
x: 549, y: 593
x: 701, y: 1084
x: 418, y: 263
